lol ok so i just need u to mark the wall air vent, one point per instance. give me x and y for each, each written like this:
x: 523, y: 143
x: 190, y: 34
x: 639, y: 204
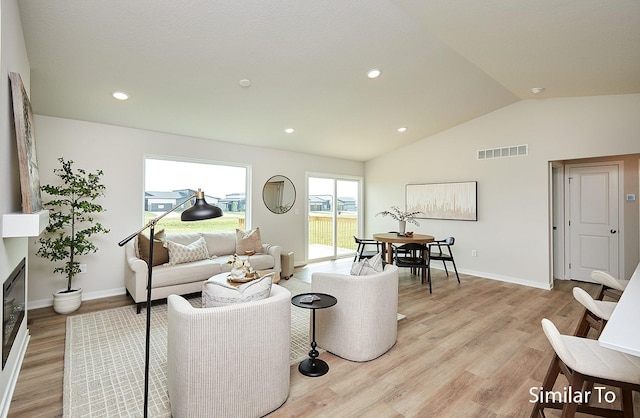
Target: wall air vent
x: 503, y: 152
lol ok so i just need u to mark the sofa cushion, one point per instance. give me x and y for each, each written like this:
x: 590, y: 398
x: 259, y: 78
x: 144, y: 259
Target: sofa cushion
x: 367, y: 266
x: 160, y: 254
x: 217, y: 293
x: 196, y: 271
x: 179, y: 253
x: 220, y: 243
x: 377, y: 262
x: 184, y: 239
x: 248, y: 241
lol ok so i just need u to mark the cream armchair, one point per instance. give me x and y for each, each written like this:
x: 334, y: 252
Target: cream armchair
x: 363, y: 325
x: 230, y: 361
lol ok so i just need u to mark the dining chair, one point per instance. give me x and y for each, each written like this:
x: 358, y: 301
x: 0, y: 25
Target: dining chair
x: 596, y: 313
x: 584, y: 362
x: 364, y: 250
x: 414, y: 256
x: 441, y: 250
x: 611, y: 286
x: 394, y: 247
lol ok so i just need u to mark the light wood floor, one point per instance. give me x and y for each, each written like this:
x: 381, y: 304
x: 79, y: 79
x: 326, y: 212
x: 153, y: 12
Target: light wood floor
x: 468, y: 350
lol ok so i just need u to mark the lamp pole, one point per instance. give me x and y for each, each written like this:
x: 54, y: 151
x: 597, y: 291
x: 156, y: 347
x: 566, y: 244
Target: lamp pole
x: 199, y: 211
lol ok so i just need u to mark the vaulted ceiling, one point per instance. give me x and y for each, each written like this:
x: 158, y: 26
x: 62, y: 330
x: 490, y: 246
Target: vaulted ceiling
x: 442, y: 62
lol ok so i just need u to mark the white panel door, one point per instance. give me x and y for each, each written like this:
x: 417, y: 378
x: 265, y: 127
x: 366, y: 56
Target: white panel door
x: 593, y: 220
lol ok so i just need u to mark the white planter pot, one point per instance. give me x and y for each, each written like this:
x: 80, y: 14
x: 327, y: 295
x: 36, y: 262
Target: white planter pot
x: 67, y: 302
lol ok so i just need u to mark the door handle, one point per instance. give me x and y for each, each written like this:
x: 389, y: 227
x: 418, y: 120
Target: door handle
x: 613, y: 231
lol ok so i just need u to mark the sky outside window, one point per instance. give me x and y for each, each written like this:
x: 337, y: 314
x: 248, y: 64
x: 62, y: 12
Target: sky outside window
x: 214, y: 179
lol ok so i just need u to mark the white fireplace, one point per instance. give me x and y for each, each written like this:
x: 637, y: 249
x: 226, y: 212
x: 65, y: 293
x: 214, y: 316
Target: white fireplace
x: 17, y: 227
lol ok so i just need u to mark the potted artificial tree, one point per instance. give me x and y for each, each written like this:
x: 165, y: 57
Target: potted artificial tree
x: 71, y: 225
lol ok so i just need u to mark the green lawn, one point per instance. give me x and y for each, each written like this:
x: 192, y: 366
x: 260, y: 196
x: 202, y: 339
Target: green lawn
x: 173, y: 224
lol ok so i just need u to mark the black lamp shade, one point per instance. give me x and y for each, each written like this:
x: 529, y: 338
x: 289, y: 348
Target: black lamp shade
x: 201, y: 210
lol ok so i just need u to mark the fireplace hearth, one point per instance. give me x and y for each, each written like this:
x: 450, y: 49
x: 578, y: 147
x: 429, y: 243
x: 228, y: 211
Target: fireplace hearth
x: 14, y: 299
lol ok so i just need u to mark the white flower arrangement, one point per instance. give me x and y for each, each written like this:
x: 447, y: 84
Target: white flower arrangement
x: 400, y: 215
x: 238, y: 264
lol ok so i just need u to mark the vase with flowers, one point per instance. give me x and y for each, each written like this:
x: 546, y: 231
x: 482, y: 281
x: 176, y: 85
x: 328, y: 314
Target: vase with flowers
x: 239, y: 268
x: 402, y: 217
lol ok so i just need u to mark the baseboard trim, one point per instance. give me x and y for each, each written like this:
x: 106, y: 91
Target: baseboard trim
x: 45, y: 303
x: 506, y: 279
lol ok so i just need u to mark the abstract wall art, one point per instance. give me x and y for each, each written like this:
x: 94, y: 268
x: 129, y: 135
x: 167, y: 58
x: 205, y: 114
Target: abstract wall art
x: 455, y: 201
x: 23, y: 120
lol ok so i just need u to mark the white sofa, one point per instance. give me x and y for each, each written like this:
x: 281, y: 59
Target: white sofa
x: 363, y: 325
x: 230, y: 361
x: 187, y: 278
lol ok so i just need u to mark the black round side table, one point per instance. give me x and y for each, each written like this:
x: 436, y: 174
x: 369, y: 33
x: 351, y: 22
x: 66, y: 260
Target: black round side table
x: 313, y: 366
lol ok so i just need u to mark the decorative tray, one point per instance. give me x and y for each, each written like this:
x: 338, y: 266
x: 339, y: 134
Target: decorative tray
x: 243, y: 279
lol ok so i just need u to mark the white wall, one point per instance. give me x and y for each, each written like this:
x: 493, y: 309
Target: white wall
x: 13, y: 58
x: 512, y: 235
x: 120, y: 152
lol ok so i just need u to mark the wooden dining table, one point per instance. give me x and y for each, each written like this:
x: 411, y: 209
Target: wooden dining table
x: 390, y: 238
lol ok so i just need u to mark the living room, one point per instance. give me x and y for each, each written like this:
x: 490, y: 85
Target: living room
x: 513, y: 234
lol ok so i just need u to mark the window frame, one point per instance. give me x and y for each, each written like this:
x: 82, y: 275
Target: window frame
x: 187, y: 160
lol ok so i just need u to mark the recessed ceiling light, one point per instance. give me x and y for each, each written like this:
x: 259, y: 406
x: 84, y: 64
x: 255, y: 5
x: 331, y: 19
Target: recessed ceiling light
x: 120, y: 95
x: 402, y: 129
x: 289, y: 130
x: 375, y: 73
x: 537, y: 90
x: 244, y: 82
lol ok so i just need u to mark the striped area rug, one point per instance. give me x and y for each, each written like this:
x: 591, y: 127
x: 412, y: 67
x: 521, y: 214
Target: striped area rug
x: 104, y: 359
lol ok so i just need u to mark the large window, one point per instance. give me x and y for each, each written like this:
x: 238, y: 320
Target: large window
x: 170, y: 182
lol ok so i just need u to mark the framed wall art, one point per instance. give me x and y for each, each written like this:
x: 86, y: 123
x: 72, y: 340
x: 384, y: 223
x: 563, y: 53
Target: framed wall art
x: 28, y: 163
x: 454, y: 201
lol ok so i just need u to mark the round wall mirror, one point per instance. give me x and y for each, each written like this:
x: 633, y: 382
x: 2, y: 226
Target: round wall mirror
x: 279, y: 194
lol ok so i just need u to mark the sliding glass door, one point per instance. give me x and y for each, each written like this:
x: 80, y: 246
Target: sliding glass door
x: 333, y: 216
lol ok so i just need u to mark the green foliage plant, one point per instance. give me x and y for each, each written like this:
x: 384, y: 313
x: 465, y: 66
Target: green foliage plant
x: 400, y: 215
x: 71, y: 222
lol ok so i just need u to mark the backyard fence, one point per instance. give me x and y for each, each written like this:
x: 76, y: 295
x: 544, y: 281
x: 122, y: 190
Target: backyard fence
x: 321, y: 230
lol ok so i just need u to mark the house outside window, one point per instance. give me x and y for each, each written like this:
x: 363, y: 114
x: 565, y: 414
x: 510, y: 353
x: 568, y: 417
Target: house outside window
x: 169, y: 182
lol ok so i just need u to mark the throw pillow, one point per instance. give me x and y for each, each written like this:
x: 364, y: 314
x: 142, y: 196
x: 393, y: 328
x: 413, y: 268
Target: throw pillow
x: 368, y: 266
x: 247, y: 241
x: 179, y: 253
x: 216, y: 293
x: 377, y: 262
x: 160, y: 254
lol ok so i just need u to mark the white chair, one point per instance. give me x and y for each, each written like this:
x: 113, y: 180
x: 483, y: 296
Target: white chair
x: 596, y: 314
x: 363, y: 325
x: 582, y: 361
x: 230, y: 361
x: 611, y: 286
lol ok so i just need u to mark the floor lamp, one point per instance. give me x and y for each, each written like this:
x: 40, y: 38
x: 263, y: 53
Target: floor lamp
x: 199, y: 211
